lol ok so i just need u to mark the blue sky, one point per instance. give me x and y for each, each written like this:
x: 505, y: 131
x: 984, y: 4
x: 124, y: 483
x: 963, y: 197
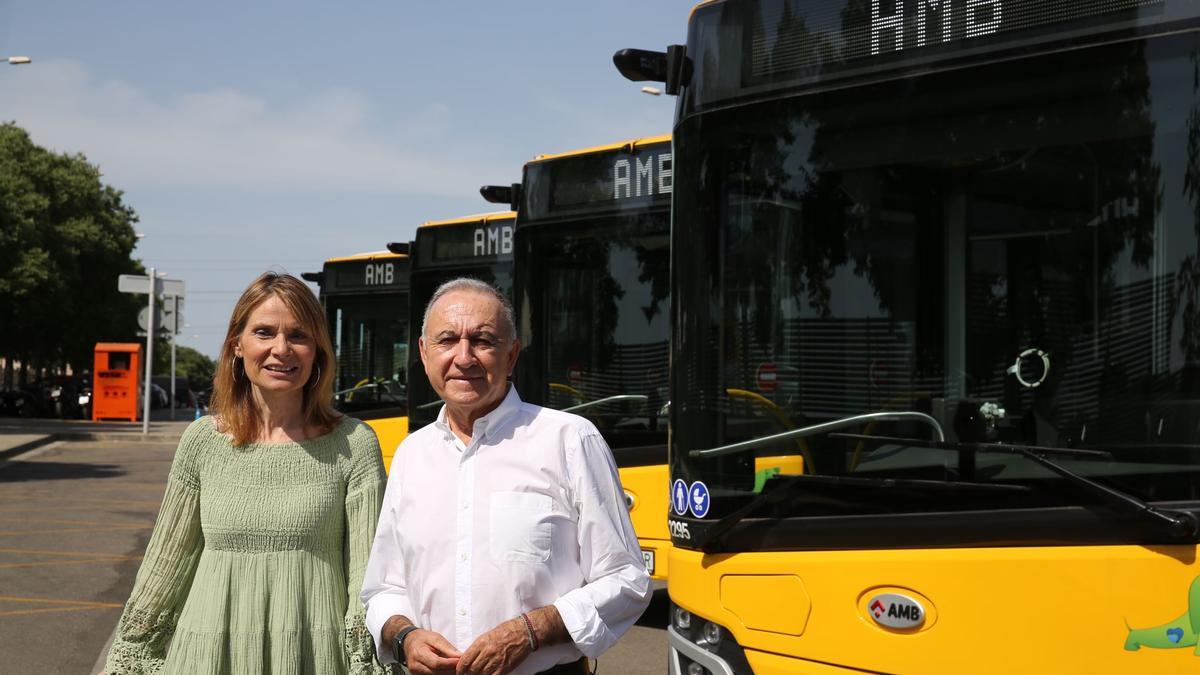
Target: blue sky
x: 272, y: 135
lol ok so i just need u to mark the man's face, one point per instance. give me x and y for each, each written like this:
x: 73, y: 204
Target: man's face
x: 467, y: 352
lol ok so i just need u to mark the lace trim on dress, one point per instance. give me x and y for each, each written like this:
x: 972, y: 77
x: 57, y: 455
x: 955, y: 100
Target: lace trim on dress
x: 360, y: 648
x: 141, y: 643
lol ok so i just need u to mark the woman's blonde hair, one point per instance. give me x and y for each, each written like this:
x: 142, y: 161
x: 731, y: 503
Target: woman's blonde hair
x: 232, y: 397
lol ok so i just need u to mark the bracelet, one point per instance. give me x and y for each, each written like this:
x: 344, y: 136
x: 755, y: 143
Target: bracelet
x: 533, y: 641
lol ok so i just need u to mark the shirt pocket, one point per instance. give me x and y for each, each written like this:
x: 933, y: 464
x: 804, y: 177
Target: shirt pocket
x: 520, y: 526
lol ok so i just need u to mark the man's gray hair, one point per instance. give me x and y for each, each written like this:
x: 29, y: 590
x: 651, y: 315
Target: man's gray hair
x: 475, y: 286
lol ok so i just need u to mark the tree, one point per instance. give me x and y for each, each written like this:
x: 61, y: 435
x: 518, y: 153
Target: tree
x: 64, y: 238
x: 189, y: 363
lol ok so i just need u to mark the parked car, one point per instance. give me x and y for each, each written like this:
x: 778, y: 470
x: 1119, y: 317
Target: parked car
x: 12, y: 403
x: 61, y: 396
x: 159, y: 398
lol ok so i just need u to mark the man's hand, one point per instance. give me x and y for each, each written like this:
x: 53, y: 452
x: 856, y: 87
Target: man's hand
x: 498, y: 651
x: 428, y: 652
x: 425, y: 651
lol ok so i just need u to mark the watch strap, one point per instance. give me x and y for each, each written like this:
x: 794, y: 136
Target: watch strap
x: 398, y: 644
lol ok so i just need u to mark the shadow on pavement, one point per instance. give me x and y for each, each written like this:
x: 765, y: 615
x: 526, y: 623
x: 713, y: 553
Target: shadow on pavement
x: 658, y: 613
x: 29, y: 471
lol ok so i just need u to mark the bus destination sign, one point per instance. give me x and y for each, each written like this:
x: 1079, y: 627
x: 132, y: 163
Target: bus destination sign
x: 822, y: 44
x: 468, y: 241
x: 616, y: 179
x: 388, y: 273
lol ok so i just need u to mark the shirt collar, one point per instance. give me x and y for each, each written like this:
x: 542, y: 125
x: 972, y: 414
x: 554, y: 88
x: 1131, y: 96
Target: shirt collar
x: 489, y: 424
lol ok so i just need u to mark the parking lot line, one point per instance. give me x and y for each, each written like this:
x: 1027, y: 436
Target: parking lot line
x: 45, y: 552
x: 45, y: 610
x: 106, y: 528
x: 63, y: 521
x: 59, y: 563
x: 52, y: 601
x: 57, y: 605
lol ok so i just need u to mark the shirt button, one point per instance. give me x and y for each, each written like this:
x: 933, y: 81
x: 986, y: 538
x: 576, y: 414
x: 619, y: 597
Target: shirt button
x: 466, y: 506
x: 462, y: 612
x: 463, y: 556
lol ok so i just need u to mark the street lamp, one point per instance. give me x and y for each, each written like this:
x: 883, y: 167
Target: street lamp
x: 19, y: 60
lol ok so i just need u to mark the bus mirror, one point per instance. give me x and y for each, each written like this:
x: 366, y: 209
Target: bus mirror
x: 398, y: 247
x: 503, y: 194
x: 671, y: 67
x: 679, y: 69
x: 641, y: 65
x: 315, y: 277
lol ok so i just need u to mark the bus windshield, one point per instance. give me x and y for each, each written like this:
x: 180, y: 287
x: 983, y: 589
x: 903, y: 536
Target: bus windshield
x: 1010, y: 251
x: 370, y: 340
x: 598, y: 305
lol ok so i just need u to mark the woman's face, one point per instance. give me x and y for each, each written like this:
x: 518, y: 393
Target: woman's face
x: 276, y: 350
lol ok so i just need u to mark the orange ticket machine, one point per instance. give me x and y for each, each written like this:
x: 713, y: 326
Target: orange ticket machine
x: 115, y: 383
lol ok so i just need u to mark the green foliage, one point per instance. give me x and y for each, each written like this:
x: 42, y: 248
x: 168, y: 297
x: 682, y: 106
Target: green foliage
x: 196, y: 367
x: 64, y: 238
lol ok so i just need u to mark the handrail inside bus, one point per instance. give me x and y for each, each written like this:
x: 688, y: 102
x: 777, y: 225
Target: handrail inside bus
x: 815, y: 429
x: 640, y: 398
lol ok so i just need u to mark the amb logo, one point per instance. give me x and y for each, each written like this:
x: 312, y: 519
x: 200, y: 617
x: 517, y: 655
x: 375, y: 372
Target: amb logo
x: 892, y: 610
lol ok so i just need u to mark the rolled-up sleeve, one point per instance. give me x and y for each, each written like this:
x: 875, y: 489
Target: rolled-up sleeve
x: 384, y: 591
x: 617, y: 588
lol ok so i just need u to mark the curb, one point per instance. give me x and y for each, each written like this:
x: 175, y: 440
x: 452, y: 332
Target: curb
x: 118, y: 436
x: 102, y: 659
x: 27, y: 446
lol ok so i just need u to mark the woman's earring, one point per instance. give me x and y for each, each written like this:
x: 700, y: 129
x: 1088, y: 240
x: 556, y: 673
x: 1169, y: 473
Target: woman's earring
x: 233, y: 366
x: 314, y: 382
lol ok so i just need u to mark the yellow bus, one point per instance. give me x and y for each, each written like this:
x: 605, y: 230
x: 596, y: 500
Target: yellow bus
x: 366, y: 300
x: 477, y: 246
x: 956, y: 244
x: 591, y: 284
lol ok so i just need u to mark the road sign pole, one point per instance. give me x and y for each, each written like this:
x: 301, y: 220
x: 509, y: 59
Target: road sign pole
x: 149, y: 359
x: 174, y: 330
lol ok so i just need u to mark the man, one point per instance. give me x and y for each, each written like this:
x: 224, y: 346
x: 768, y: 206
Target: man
x: 504, y: 544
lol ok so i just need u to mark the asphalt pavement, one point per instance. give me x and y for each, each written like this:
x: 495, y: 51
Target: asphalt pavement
x: 74, y: 520
x: 75, y: 516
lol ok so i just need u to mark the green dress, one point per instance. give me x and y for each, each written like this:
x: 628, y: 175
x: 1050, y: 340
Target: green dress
x: 257, y: 559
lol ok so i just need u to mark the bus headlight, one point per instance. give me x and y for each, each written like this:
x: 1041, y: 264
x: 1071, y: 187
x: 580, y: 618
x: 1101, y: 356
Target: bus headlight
x: 683, y: 619
x: 712, y: 635
x: 699, y: 646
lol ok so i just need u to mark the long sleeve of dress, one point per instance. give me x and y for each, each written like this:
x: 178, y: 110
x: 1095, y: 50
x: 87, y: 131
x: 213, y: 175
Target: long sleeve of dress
x: 165, y: 577
x: 364, y: 496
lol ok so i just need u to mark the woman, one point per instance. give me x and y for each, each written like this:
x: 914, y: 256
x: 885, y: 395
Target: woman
x: 258, y: 554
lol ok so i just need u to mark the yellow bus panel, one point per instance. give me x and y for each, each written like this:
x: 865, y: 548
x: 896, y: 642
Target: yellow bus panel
x: 647, y: 488
x: 1078, y: 609
x: 390, y: 430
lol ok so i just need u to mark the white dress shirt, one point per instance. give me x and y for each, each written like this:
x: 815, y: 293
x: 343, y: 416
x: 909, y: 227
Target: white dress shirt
x: 531, y: 513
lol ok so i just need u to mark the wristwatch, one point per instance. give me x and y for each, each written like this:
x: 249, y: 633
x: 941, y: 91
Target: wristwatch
x: 398, y: 644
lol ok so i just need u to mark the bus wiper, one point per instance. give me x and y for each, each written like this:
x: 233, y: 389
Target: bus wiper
x: 713, y: 536
x: 1013, y: 448
x: 640, y: 398
x: 817, y: 429
x: 1180, y: 525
